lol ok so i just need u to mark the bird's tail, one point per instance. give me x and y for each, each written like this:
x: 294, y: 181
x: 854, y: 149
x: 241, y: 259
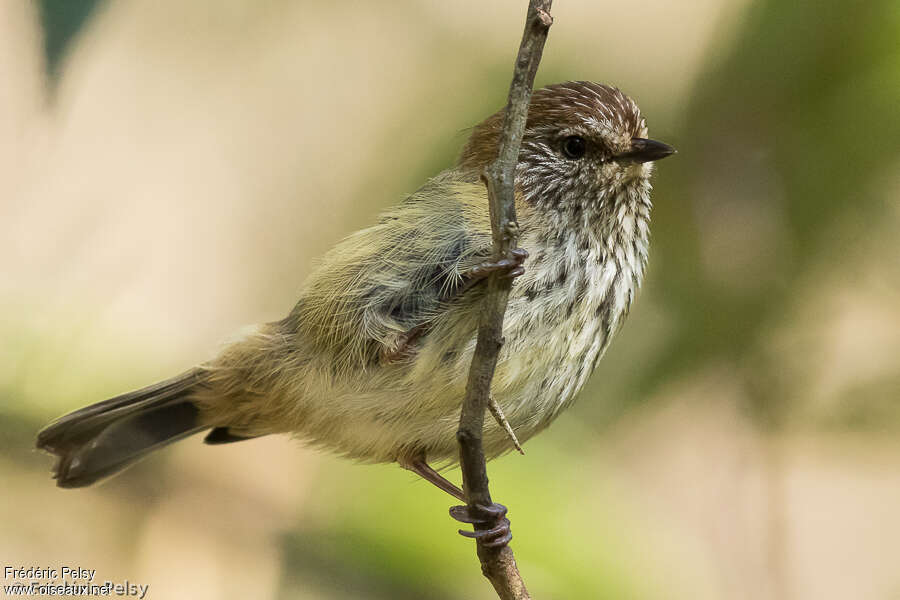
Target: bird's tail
x: 104, y: 438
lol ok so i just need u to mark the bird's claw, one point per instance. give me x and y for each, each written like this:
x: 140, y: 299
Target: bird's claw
x: 495, y: 537
x: 509, y: 267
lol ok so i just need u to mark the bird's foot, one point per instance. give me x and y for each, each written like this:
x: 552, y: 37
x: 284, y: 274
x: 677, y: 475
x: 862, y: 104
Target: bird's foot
x: 491, y: 524
x: 508, y: 267
x: 494, y: 531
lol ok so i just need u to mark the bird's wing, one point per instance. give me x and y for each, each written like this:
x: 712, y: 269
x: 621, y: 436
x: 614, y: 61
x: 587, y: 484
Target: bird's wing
x: 391, y: 278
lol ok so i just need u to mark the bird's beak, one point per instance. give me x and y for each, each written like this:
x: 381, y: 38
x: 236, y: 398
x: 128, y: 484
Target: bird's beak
x: 643, y: 150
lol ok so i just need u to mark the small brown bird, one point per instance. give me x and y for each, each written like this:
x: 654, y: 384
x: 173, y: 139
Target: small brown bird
x: 372, y: 361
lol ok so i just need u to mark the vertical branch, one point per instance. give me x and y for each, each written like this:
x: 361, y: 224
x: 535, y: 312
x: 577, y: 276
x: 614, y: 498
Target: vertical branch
x: 498, y: 564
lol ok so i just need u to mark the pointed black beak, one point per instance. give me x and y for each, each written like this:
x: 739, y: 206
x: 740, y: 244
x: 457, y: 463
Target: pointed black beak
x: 643, y: 150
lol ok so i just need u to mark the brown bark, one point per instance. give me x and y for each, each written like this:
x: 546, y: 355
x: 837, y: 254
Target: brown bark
x: 499, y: 564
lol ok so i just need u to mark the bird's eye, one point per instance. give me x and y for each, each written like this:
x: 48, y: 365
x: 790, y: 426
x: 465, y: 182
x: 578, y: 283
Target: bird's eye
x: 574, y: 146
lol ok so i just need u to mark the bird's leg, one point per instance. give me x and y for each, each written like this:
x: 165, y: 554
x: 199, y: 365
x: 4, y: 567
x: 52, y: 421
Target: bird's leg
x: 509, y: 267
x: 495, y: 536
x: 416, y: 463
x: 404, y: 342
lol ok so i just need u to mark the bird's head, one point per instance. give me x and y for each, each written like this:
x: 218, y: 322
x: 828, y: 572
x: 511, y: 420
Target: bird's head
x: 584, y: 144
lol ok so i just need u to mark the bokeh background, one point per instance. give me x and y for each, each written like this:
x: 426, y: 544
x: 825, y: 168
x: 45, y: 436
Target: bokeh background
x: 170, y: 170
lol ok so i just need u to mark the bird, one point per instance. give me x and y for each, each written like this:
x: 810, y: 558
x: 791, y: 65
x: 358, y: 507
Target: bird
x: 371, y: 363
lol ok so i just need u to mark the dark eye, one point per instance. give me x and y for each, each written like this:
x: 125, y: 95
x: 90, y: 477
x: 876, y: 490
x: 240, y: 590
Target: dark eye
x: 574, y: 146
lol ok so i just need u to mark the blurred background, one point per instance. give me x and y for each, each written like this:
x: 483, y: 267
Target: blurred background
x: 170, y: 170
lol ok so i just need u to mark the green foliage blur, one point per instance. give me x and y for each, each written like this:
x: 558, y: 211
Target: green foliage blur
x: 754, y: 389
x: 61, y: 21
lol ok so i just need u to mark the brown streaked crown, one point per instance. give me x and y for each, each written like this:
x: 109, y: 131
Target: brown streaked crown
x: 579, y: 106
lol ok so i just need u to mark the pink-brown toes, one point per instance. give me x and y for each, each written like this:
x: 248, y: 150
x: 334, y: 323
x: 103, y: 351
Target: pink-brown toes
x: 515, y: 273
x: 510, y: 267
x: 520, y: 254
x: 496, y: 536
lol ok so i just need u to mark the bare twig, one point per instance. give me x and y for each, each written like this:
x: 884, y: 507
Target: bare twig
x: 504, y: 423
x: 498, y: 564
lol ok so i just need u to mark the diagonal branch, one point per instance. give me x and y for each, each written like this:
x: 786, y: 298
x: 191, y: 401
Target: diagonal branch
x: 498, y: 564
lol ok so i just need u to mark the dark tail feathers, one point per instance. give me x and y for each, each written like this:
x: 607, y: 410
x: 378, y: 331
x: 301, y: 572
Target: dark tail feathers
x: 104, y: 438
